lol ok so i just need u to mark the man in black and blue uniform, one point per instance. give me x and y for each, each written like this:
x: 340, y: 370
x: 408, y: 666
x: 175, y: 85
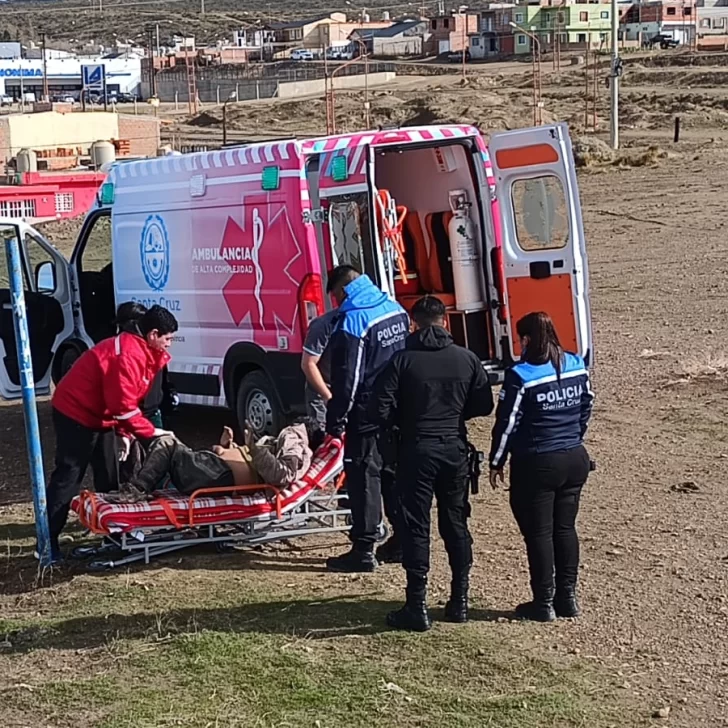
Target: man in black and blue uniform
x: 541, y: 420
x: 370, y: 329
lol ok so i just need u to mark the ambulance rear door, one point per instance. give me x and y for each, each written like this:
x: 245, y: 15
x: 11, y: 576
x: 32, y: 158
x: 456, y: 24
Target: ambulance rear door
x: 47, y: 291
x: 544, y: 251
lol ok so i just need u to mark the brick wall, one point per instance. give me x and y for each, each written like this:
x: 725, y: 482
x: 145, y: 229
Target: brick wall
x: 142, y: 132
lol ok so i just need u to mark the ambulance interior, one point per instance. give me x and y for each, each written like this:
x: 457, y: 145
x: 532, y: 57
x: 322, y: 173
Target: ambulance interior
x: 438, y: 188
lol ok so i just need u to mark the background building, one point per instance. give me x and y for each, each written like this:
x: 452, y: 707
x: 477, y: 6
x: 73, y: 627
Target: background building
x: 123, y: 74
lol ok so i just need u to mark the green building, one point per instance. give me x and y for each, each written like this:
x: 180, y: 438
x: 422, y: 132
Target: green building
x: 575, y: 24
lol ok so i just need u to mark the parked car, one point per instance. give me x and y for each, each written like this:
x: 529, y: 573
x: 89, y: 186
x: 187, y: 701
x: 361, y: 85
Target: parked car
x: 6, y: 100
x: 457, y: 56
x: 661, y: 39
x: 302, y: 55
x: 125, y: 98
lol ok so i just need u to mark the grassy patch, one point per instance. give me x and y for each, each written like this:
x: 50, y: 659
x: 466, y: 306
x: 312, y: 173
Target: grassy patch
x: 326, y: 663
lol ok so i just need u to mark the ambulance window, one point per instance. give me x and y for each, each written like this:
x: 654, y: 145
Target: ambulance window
x: 36, y: 256
x: 350, y: 237
x: 97, y: 249
x: 539, y: 207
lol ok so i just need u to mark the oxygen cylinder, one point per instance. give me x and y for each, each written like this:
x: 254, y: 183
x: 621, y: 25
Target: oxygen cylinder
x: 465, y: 250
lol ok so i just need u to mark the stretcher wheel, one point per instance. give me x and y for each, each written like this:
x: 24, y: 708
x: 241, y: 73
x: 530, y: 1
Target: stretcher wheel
x: 99, y: 566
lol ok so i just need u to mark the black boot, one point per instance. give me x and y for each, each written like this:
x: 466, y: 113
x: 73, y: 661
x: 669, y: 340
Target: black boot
x: 456, y: 609
x: 541, y: 609
x: 390, y: 552
x: 565, y: 603
x: 356, y: 561
x: 413, y: 616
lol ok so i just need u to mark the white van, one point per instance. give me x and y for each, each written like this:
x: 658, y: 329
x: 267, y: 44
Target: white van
x: 237, y: 242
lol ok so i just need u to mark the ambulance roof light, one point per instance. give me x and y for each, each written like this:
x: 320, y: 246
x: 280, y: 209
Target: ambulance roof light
x: 107, y: 193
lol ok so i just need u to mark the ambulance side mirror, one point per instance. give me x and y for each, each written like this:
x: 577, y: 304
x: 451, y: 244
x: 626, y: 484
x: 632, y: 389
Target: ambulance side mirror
x: 45, y: 277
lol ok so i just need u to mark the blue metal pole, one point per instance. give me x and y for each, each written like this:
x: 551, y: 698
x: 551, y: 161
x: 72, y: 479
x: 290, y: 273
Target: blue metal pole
x: 30, y: 411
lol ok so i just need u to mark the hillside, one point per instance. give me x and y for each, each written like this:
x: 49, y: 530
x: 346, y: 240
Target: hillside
x: 73, y: 21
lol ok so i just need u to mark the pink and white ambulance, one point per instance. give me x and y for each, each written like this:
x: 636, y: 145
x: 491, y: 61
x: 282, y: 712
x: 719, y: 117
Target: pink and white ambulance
x: 237, y: 242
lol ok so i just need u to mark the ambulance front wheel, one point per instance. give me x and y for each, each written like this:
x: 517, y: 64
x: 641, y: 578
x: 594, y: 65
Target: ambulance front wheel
x: 257, y: 403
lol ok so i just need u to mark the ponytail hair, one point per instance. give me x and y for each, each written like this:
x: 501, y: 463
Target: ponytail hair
x: 543, y: 341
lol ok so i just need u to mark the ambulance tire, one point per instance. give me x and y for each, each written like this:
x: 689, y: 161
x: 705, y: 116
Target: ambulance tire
x: 63, y: 362
x: 258, y: 403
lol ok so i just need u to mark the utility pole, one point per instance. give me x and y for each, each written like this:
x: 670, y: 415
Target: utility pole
x: 46, y: 94
x: 159, y: 54
x: 614, y: 87
x: 202, y: 7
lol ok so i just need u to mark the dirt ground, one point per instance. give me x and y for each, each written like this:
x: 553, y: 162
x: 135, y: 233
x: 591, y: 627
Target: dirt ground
x: 654, y: 581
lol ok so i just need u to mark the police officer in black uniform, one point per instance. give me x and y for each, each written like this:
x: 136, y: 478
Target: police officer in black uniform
x: 428, y: 391
x: 542, y: 416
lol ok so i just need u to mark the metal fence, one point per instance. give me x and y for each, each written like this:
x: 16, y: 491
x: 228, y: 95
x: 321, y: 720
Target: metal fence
x: 257, y: 81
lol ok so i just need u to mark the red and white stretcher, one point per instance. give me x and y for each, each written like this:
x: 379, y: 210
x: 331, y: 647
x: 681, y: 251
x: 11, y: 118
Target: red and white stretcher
x: 235, y: 515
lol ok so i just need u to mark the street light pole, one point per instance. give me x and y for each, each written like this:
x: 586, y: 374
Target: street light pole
x: 536, y: 65
x: 46, y: 94
x: 614, y: 87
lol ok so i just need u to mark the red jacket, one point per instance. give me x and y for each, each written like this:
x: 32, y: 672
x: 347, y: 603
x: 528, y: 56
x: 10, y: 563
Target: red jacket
x: 104, y: 387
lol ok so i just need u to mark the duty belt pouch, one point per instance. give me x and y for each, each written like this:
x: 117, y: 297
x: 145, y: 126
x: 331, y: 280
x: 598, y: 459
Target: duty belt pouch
x: 475, y: 461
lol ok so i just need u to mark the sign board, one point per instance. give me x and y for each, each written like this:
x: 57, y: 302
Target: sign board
x: 94, y: 77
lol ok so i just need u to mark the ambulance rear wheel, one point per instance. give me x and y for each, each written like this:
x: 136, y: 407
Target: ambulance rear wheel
x: 257, y: 403
x: 65, y: 359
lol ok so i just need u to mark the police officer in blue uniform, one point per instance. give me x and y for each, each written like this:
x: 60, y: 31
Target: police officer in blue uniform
x: 370, y: 329
x: 541, y: 419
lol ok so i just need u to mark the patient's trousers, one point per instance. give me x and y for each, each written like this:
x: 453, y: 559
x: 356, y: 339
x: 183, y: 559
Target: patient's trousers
x: 189, y: 470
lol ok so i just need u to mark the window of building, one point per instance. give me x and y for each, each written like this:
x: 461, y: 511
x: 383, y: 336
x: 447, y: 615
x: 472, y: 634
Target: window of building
x: 521, y: 40
x: 560, y: 18
x: 584, y: 17
x: 604, y: 15
x: 64, y: 202
x: 671, y: 11
x: 581, y: 38
x: 17, y: 208
x: 705, y: 23
x: 519, y: 17
x: 475, y: 42
x: 446, y: 23
x: 687, y: 11
x: 603, y: 37
x: 433, y: 24
x: 719, y: 23
x: 539, y: 207
x: 563, y: 38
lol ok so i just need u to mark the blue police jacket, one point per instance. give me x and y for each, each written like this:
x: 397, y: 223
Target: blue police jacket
x: 540, y: 411
x: 370, y: 329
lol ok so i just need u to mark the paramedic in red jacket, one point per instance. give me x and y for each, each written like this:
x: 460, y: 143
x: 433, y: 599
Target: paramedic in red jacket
x: 103, y: 391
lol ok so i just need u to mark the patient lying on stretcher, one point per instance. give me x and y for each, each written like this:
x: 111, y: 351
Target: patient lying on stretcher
x: 277, y: 461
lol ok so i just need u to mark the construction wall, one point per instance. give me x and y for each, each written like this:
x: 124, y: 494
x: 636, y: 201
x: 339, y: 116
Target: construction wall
x: 310, y: 88
x: 51, y: 130
x: 71, y: 135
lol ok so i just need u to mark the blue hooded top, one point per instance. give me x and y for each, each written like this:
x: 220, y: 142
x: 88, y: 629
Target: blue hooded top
x: 371, y: 328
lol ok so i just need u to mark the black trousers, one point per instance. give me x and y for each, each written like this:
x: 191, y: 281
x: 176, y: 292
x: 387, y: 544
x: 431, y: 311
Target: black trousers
x: 76, y: 447
x: 439, y: 467
x: 369, y: 480
x: 105, y: 463
x: 545, y: 493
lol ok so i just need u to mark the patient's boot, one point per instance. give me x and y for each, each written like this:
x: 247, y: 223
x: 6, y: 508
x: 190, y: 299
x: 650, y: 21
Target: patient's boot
x: 390, y: 552
x: 353, y: 562
x: 413, y: 616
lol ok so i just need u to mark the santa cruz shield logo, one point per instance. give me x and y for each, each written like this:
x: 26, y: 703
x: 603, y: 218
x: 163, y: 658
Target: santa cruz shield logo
x: 154, y: 249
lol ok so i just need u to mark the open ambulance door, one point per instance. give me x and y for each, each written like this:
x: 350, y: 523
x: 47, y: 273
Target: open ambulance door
x: 47, y: 286
x: 544, y: 253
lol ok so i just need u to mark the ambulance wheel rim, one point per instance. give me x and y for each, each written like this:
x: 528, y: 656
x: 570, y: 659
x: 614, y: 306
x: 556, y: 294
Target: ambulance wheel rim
x: 260, y: 412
